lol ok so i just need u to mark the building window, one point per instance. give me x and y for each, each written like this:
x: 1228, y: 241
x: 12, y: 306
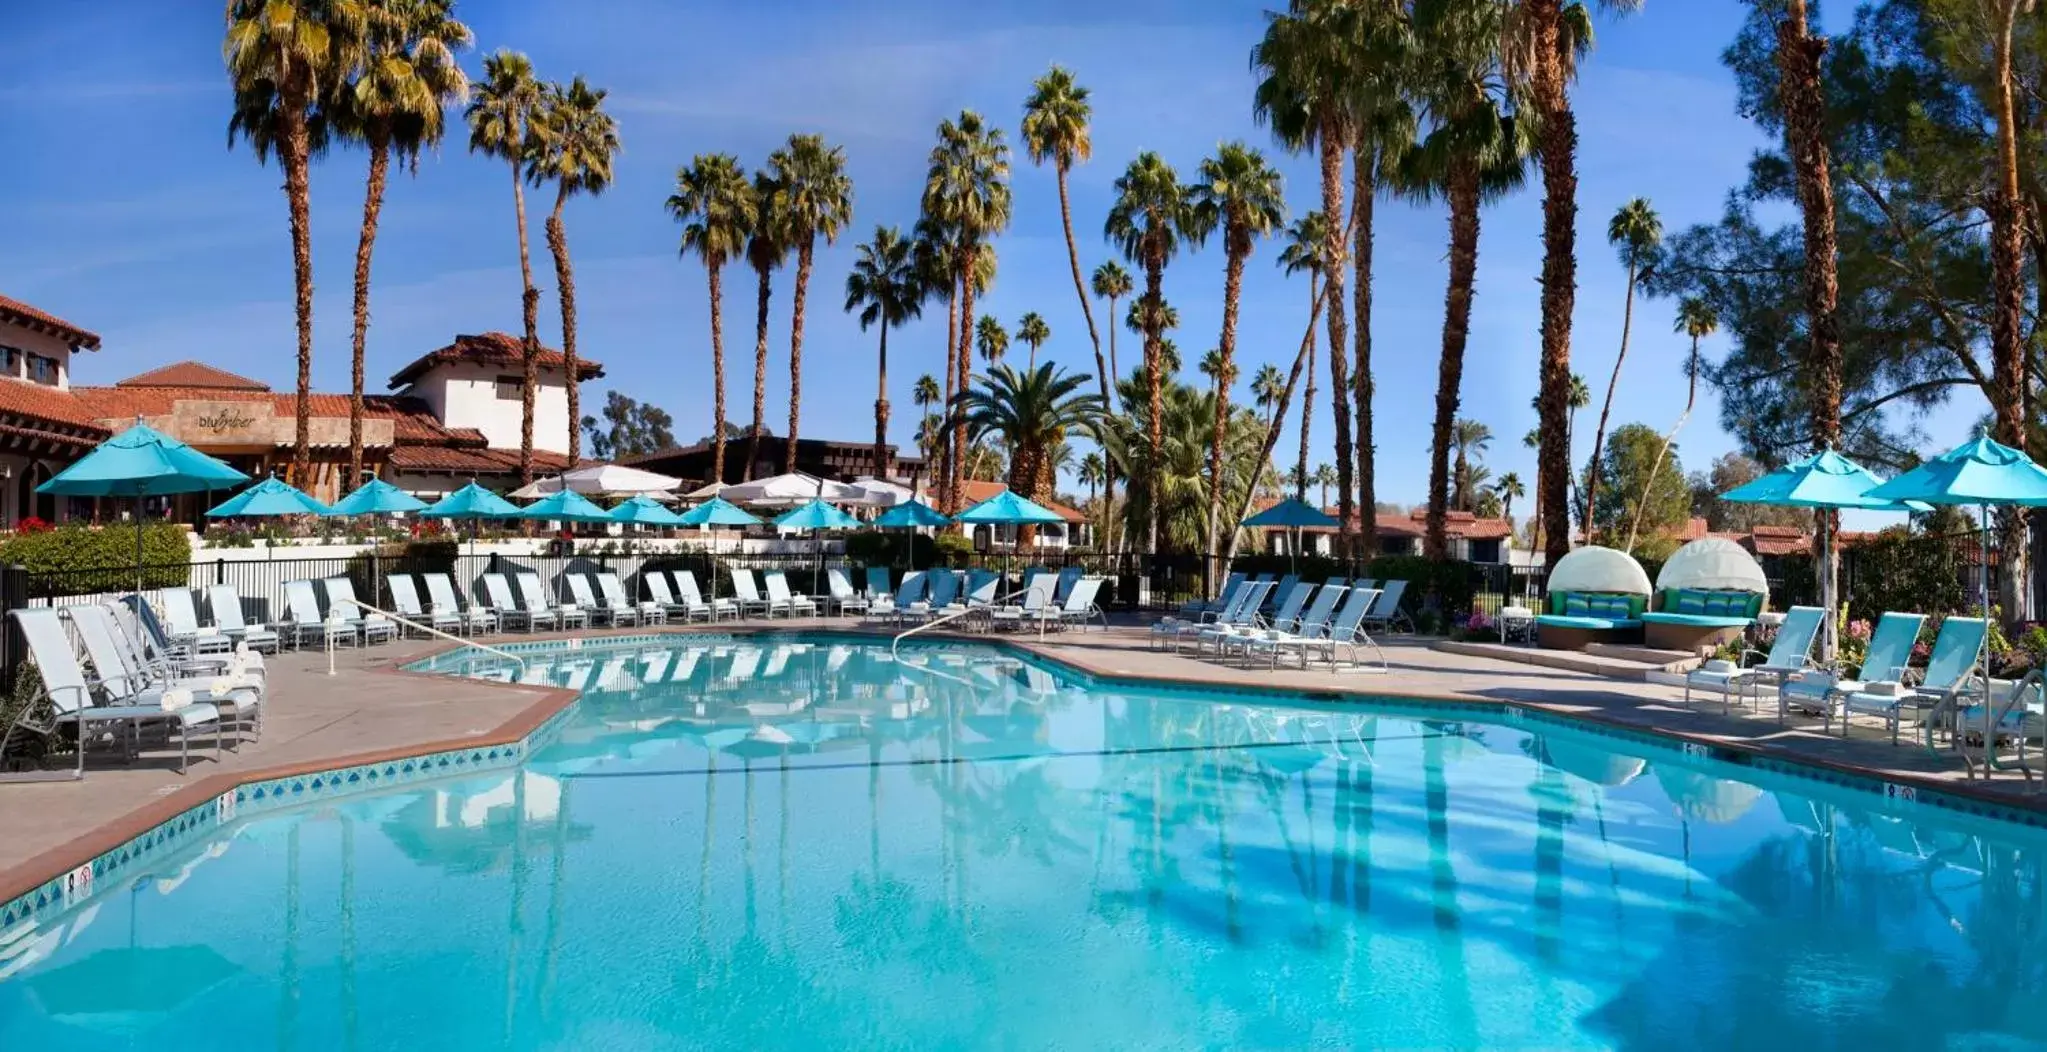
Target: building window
x: 1483, y: 551
x: 41, y: 369
x: 10, y: 360
x: 511, y: 389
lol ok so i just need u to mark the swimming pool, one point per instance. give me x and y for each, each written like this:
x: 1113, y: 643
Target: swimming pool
x: 797, y: 842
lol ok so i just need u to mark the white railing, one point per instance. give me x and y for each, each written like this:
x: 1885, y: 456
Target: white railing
x: 428, y: 629
x: 955, y: 616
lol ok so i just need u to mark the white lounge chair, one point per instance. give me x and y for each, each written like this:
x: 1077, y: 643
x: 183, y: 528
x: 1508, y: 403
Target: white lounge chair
x: 68, y: 700
x: 1080, y: 608
x: 892, y: 607
x: 477, y: 617
x: 145, y: 635
x: 839, y: 594
x: 1789, y: 655
x: 1385, y: 612
x: 1312, y: 627
x: 185, y: 630
x: 611, y: 593
x: 656, y: 583
x: 534, y: 598
x: 227, y: 616
x: 306, y: 620
x: 341, y: 603
x: 405, y: 597
x: 509, y: 612
x: 686, y: 588
x: 749, y: 594
x: 585, y: 599
x: 123, y: 669
x: 780, y: 596
x: 877, y: 584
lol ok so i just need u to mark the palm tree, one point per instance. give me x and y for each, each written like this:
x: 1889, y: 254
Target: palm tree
x: 1474, y: 152
x: 767, y: 246
x: 1178, y: 478
x: 967, y: 189
x: 407, y: 77
x: 1324, y: 477
x: 1055, y: 129
x: 1092, y: 471
x: 1544, y: 42
x: 501, y: 124
x: 1112, y: 282
x: 2008, y: 291
x: 1237, y: 192
x: 578, y: 142
x: 1308, y: 72
x: 1306, y: 241
x: 991, y: 339
x: 817, y: 201
x: 717, y: 206
x: 283, y: 58
x: 1635, y: 231
x: 884, y: 287
x: 1266, y: 385
x: 1032, y: 330
x: 1470, y: 439
x: 1509, y: 488
x: 1698, y: 320
x: 925, y: 394
x: 1030, y: 412
x: 1149, y: 219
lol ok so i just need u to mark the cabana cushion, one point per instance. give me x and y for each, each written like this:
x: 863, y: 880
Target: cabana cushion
x: 1590, y: 623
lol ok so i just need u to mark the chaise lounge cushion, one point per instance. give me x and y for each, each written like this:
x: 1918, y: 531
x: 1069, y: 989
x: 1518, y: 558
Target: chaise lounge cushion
x: 1589, y: 623
x: 1695, y: 620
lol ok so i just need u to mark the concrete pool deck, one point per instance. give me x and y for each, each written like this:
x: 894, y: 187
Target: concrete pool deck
x: 371, y: 710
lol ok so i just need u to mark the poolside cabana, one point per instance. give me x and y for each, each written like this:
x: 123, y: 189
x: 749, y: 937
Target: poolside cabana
x: 1707, y: 594
x: 1596, y: 595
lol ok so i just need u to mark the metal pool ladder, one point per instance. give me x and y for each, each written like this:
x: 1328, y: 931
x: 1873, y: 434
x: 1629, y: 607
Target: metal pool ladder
x: 429, y: 630
x: 954, y: 616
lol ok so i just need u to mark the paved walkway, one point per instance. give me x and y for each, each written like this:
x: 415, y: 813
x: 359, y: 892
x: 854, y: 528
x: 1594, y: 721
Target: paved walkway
x: 369, y: 710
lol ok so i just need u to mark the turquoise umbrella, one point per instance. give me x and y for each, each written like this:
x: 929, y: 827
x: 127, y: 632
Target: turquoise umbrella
x: 267, y: 498
x: 141, y: 462
x: 717, y: 512
x: 1291, y: 513
x: 377, y: 497
x: 1008, y: 509
x: 645, y: 511
x: 816, y: 516
x: 564, y: 506
x: 911, y: 514
x: 474, y: 503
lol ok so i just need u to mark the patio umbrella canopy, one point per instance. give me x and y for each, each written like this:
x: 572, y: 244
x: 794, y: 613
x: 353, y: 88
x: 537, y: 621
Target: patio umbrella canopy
x: 1008, y: 509
x: 791, y: 489
x: 717, y: 512
x: 269, y: 497
x: 141, y: 462
x: 645, y: 511
x: 470, y: 502
x: 816, y: 516
x: 594, y: 479
x: 911, y: 514
x: 377, y: 497
x: 1291, y: 513
x: 564, y: 506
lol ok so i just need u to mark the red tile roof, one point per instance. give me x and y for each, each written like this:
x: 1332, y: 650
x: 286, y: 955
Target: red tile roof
x: 472, y: 461
x: 192, y: 374
x: 412, y: 419
x: 491, y: 348
x: 42, y: 321
x: 975, y: 492
x: 37, y: 402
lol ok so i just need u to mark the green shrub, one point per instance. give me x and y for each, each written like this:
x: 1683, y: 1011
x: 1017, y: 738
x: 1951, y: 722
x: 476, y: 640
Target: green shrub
x: 950, y: 549
x: 413, y: 557
x: 1897, y: 571
x: 78, y: 559
x: 1430, y: 585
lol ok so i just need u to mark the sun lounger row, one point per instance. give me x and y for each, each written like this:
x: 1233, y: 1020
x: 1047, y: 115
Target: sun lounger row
x: 1310, y: 621
x: 1048, y: 601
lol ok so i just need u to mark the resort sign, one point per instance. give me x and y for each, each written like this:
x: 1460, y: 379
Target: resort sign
x: 226, y: 420
x: 227, y: 424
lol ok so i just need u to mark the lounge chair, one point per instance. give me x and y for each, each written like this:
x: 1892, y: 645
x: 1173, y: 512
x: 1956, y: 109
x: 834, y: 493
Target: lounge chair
x: 877, y: 584
x: 779, y: 595
x: 185, y: 630
x: 1347, y: 630
x: 749, y: 594
x: 1281, y: 591
x: 686, y: 590
x: 1224, y: 634
x: 227, y: 616
x: 1062, y: 586
x: 375, y: 627
x: 124, y: 673
x: 656, y: 584
x: 1080, y: 608
x: 1313, y: 625
x: 509, y: 612
x: 307, y: 622
x: 1386, y: 612
x: 1168, y: 630
x: 581, y: 594
x: 1951, y: 673
x: 1036, y: 605
x: 1240, y: 620
x: 138, y: 622
x: 840, y: 597
x: 67, y: 699
x: 405, y: 601
x: 477, y: 617
x: 612, y: 591
x: 534, y: 598
x: 1791, y: 653
x: 1193, y: 609
x: 942, y: 597
x: 891, y: 607
x: 981, y: 588
x: 1825, y: 692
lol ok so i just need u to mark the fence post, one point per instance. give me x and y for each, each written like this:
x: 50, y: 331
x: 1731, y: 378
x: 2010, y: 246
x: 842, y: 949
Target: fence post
x: 13, y: 595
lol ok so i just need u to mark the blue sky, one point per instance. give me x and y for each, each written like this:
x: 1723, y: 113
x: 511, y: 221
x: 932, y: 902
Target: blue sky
x: 128, y: 214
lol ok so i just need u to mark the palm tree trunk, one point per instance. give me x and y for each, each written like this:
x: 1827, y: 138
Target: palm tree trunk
x: 1155, y: 430
x: 760, y: 370
x: 717, y: 372
x: 803, y: 257
x: 372, y: 205
x: 1115, y: 372
x: 1080, y: 288
x: 941, y: 476
x: 565, y: 279
x: 1333, y: 252
x: 964, y: 363
x: 881, y: 406
x: 1691, y: 399
x: 1026, y: 472
x: 1456, y: 333
x: 1109, y: 538
x: 293, y: 154
x: 1308, y: 398
x: 1798, y: 65
x: 1233, y: 285
x: 1606, y: 407
x: 2007, y: 280
x: 1364, y: 193
x: 1557, y: 147
x: 529, y: 312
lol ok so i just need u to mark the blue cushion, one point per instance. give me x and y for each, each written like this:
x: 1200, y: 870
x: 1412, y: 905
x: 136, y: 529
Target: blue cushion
x: 1613, y: 606
x: 1721, y: 604
x: 1696, y: 620
x: 1594, y: 623
x: 1577, y: 606
x: 1690, y: 602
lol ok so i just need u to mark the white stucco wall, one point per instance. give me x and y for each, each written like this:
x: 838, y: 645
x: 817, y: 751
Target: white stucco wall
x: 33, y: 342
x: 466, y: 395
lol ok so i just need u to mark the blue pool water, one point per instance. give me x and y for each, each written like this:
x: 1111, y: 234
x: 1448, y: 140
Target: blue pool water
x: 802, y: 844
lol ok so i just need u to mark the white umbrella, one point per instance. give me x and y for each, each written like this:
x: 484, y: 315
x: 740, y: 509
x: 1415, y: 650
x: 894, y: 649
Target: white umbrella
x: 706, y: 491
x: 600, y: 479
x: 795, y: 488
x: 882, y: 493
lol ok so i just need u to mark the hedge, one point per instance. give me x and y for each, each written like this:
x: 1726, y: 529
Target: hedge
x: 78, y: 559
x: 411, y: 557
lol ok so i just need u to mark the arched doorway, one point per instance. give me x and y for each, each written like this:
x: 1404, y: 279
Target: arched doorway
x: 27, y: 502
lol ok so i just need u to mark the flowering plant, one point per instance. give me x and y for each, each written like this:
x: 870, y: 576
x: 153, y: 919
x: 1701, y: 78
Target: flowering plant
x: 31, y: 524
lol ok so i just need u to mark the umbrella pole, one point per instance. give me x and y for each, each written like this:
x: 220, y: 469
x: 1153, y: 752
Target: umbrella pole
x: 138, y: 541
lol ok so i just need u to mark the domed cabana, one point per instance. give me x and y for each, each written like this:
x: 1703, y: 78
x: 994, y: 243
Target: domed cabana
x: 1708, y: 593
x: 1596, y: 595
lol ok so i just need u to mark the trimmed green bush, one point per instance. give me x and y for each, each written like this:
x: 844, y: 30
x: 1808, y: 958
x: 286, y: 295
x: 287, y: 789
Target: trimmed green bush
x: 80, y: 560
x: 413, y: 557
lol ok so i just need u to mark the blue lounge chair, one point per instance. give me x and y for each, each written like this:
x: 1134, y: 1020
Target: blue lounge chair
x: 1887, y: 659
x: 1790, y: 654
x: 1951, y: 672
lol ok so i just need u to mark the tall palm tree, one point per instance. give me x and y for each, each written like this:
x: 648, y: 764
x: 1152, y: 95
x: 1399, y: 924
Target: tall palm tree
x: 501, y: 124
x: 1238, y: 192
x: 1055, y: 129
x: 1509, y: 488
x: 578, y: 142
x: 884, y: 287
x: 1470, y: 438
x: 1032, y: 330
x: 925, y: 394
x: 1030, y: 412
x: 284, y: 57
x: 1091, y: 471
x: 967, y: 188
x: 2008, y: 291
x: 767, y: 246
x: 1696, y: 319
x: 1149, y: 219
x: 396, y: 103
x: 1636, y: 232
x: 1307, y: 70
x: 1111, y: 282
x: 1266, y: 385
x: 1306, y: 241
x: 817, y: 201
x: 716, y: 204
x: 1474, y: 152
x: 991, y: 339
x: 1324, y: 477
x: 1544, y: 41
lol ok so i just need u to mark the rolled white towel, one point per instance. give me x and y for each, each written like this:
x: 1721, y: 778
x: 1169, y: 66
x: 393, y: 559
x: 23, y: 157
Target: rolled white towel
x: 1720, y: 666
x: 175, y: 699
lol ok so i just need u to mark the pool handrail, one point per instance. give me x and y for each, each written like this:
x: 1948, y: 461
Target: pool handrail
x: 432, y: 631
x: 954, y: 616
